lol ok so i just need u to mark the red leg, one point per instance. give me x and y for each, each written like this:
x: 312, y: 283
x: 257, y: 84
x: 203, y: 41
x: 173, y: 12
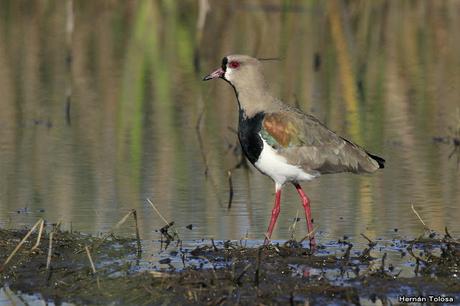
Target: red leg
x: 275, y: 213
x: 306, y: 206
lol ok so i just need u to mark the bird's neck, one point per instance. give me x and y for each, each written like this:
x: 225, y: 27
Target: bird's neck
x: 254, y: 99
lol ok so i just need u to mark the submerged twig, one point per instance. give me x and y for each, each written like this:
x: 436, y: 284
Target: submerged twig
x: 20, y: 244
x: 411, y: 252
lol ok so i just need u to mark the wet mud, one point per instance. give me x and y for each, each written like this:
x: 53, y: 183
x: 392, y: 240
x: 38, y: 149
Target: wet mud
x: 227, y: 272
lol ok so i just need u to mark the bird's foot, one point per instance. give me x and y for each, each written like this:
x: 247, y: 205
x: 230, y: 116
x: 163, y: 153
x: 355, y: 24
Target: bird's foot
x: 267, y: 240
x: 312, y: 245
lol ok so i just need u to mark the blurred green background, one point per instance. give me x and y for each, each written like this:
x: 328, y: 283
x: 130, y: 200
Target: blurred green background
x: 100, y: 103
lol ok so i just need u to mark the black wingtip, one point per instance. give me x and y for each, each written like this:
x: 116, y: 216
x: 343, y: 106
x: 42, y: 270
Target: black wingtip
x: 378, y: 159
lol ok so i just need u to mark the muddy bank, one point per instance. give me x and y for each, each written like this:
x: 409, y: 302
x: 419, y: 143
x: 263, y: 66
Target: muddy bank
x: 226, y: 272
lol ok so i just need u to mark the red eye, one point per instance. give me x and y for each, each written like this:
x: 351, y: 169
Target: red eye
x: 234, y: 65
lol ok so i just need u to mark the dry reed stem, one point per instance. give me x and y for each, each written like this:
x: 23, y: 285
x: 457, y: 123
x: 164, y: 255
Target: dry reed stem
x: 119, y: 223
x: 162, y: 274
x: 90, y: 259
x: 368, y: 239
x: 8, y: 292
x: 123, y: 220
x: 138, y: 236
x: 93, y: 268
x: 258, y: 262
x: 418, y: 216
x: 230, y: 191
x: 293, y: 226
x: 168, y: 224
x: 309, y: 235
x: 40, y: 231
x: 50, y: 249
x: 158, y: 212
x: 267, y: 239
x: 200, y: 141
x: 20, y: 244
x: 238, y: 280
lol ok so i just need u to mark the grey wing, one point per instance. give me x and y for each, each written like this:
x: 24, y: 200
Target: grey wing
x: 321, y: 150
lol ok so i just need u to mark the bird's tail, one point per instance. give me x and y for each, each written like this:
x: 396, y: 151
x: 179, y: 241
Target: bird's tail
x: 378, y: 159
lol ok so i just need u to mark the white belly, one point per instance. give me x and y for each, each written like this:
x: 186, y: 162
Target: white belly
x: 277, y: 167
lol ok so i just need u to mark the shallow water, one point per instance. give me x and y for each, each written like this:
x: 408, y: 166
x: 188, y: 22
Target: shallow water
x: 100, y: 103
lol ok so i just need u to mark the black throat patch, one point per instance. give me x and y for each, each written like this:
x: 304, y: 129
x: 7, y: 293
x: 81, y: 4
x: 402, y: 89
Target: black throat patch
x: 224, y: 64
x: 248, y: 134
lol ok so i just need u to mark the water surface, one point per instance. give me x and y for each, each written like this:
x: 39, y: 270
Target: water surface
x: 100, y: 103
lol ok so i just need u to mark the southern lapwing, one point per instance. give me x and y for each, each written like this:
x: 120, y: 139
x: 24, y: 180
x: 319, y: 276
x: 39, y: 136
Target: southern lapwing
x: 284, y: 143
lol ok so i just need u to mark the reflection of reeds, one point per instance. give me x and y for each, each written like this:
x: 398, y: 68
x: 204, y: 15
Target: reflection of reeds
x: 69, y: 34
x: 346, y: 73
x: 134, y: 94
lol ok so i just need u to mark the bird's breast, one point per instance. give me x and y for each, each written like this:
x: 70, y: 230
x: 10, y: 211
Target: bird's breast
x: 248, y: 134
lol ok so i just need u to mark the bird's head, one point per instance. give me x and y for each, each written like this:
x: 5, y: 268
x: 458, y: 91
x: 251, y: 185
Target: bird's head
x: 237, y: 70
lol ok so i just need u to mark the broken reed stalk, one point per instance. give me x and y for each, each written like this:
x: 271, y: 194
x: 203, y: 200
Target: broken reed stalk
x: 309, y: 235
x: 40, y: 231
x: 447, y: 234
x: 200, y: 141
x: 158, y: 212
x: 93, y: 268
x: 382, y: 267
x: 214, y: 245
x: 256, y: 276
x: 293, y: 226
x: 420, y: 218
x: 346, y: 256
x: 207, y: 174
x: 371, y: 243
x: 238, y: 279
x: 7, y: 291
x: 50, y: 245
x: 230, y: 192
x: 163, y: 218
x: 50, y: 249
x: 122, y: 220
x: 57, y: 226
x: 138, y: 236
x: 245, y: 238
x: 20, y: 244
x: 90, y: 259
x: 267, y: 239
x: 119, y: 223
